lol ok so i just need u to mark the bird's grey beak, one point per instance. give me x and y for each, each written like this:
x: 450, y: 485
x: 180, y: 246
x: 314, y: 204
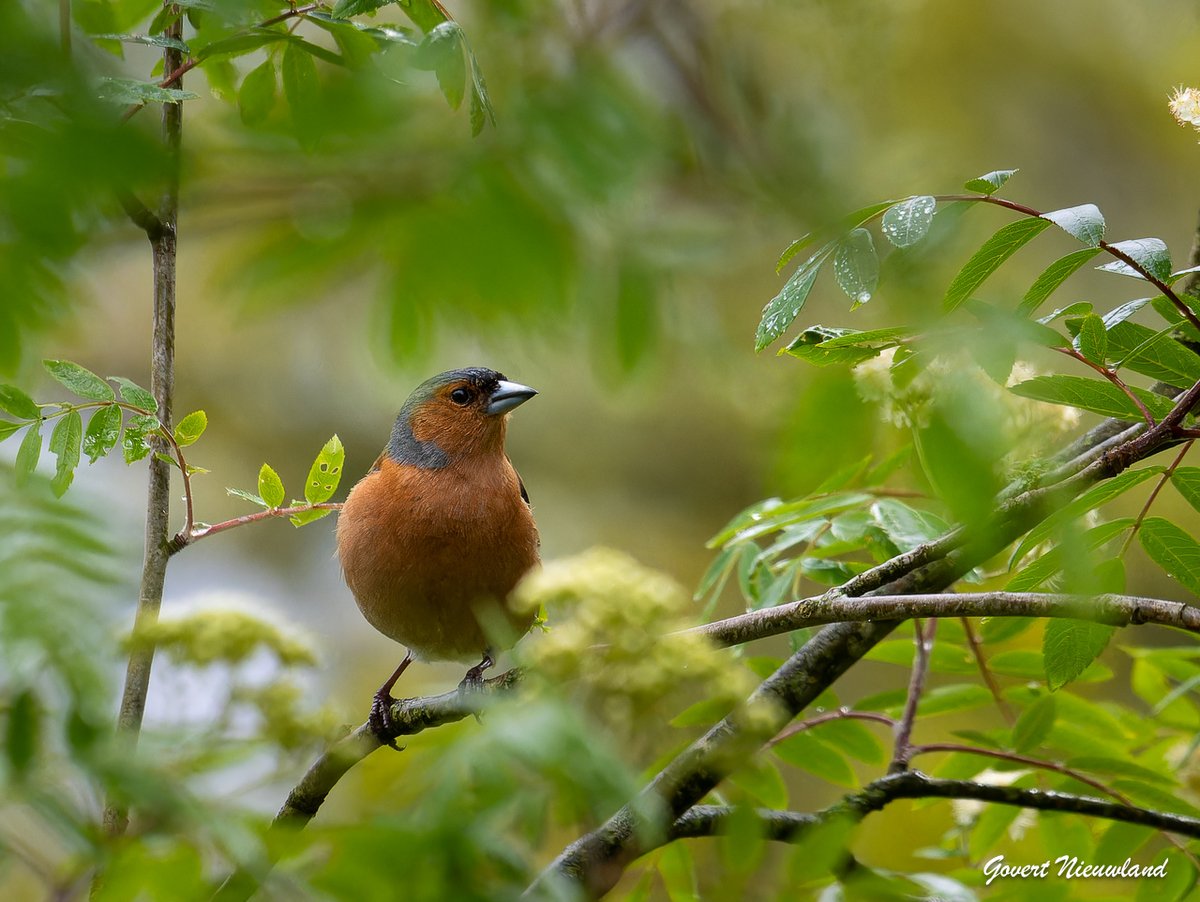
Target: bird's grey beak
x: 507, y: 396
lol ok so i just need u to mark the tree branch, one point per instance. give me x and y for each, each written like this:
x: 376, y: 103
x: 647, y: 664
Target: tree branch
x: 790, y: 826
x: 923, y: 640
x: 162, y: 385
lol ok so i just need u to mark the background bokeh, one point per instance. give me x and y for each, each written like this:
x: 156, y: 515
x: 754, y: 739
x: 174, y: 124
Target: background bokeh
x: 611, y: 242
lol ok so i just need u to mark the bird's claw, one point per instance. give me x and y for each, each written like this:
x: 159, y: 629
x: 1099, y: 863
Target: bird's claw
x: 380, y: 720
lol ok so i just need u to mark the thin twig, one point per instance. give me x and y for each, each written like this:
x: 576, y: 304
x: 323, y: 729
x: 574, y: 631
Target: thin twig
x: 975, y: 643
x: 1112, y: 377
x: 839, y: 714
x: 188, y: 537
x: 923, y: 640
x: 1163, y: 480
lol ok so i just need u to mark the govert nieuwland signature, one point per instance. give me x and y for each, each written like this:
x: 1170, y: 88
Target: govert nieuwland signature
x: 1070, y: 867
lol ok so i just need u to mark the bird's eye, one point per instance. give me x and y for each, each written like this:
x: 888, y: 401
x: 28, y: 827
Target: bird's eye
x: 460, y: 396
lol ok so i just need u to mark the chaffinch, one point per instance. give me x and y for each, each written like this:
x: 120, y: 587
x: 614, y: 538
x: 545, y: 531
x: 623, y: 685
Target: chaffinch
x: 437, y: 534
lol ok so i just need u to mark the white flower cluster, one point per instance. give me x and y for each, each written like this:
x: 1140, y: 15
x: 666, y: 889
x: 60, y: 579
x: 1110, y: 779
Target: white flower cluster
x: 1184, y: 105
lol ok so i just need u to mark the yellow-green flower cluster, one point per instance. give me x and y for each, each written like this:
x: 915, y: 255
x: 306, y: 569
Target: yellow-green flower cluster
x: 609, y: 644
x: 228, y: 636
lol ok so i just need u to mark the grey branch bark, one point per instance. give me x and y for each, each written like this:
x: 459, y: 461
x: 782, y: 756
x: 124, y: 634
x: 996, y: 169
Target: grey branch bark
x: 162, y: 384
x: 791, y: 826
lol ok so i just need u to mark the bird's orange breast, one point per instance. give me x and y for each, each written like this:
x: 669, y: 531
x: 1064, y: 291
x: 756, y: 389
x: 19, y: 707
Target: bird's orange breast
x: 432, y: 555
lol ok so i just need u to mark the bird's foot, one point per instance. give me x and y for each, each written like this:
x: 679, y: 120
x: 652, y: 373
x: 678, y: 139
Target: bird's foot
x: 380, y: 720
x: 473, y: 681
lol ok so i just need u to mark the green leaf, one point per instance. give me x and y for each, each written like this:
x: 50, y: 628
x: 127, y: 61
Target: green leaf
x: 19, y: 404
x: 248, y: 496
x: 956, y: 697
x: 1097, y: 495
x: 1053, y: 276
x: 241, y: 44
x: 130, y: 90
x: 270, y: 486
x: 134, y: 394
x: 22, y: 732
x: 1124, y: 311
x: 830, y: 233
x: 152, y: 40
x: 1070, y: 646
x: 852, y: 738
x: 442, y: 52
x: 782, y: 310
x: 1153, y: 354
x: 302, y: 89
x: 850, y: 338
x: 1002, y: 245
x: 1034, y: 724
x: 906, y: 526
x: 82, y: 382
x: 678, y: 873
x: 856, y: 266
x: 8, y: 428
x: 256, y: 96
x: 103, y: 430
x: 1099, y: 397
x: 303, y: 518
x: 134, y: 445
x: 325, y: 473
x: 28, y: 453
x: 1079, y: 308
x: 1092, y: 339
x: 809, y: 753
x: 1149, y: 253
x: 1187, y: 482
x: 1173, y: 550
x: 190, y: 428
x: 906, y: 223
x: 990, y: 182
x: 811, y: 346
x: 1034, y: 574
x: 65, y: 442
x: 761, y: 779
x: 1083, y: 222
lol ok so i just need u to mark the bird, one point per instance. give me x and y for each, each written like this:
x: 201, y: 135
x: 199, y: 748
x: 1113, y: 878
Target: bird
x: 433, y: 539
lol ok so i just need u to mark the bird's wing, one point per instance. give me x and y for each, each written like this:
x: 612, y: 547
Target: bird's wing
x: 521, y: 484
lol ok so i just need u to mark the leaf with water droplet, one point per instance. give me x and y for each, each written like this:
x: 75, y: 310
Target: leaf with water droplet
x: 782, y: 310
x: 908, y: 222
x: 1084, y: 222
x: 856, y: 266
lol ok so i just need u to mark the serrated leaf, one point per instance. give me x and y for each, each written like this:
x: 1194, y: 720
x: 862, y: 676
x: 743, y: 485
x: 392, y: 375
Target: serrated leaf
x: 19, y: 404
x: 1079, y: 308
x: 1053, y: 276
x: 856, y: 266
x: 1173, y: 550
x: 1149, y: 253
x: 325, y: 473
x: 247, y: 496
x: 1093, y: 395
x: 1097, y: 495
x: 808, y: 753
x: 130, y: 90
x: 82, y: 382
x: 990, y: 182
x: 850, y: 338
x: 1085, y: 223
x: 65, y: 443
x: 811, y: 347
x: 102, y: 433
x: 1153, y: 354
x: 134, y: 445
x: 829, y: 233
x: 270, y: 487
x: 905, y: 526
x: 134, y: 394
x: 28, y: 453
x: 782, y: 310
x: 190, y: 428
x: 1037, y: 572
x: 1092, y: 340
x: 1070, y: 646
x: 303, y: 518
x: 441, y: 51
x: 256, y: 96
x: 956, y: 697
x: 1187, y: 482
x: 1002, y: 245
x: 302, y: 89
x: 906, y: 223
x: 1124, y: 311
x: 152, y: 40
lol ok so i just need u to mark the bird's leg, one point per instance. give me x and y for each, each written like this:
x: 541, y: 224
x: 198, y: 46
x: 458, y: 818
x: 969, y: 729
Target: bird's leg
x: 474, y: 678
x: 380, y: 719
